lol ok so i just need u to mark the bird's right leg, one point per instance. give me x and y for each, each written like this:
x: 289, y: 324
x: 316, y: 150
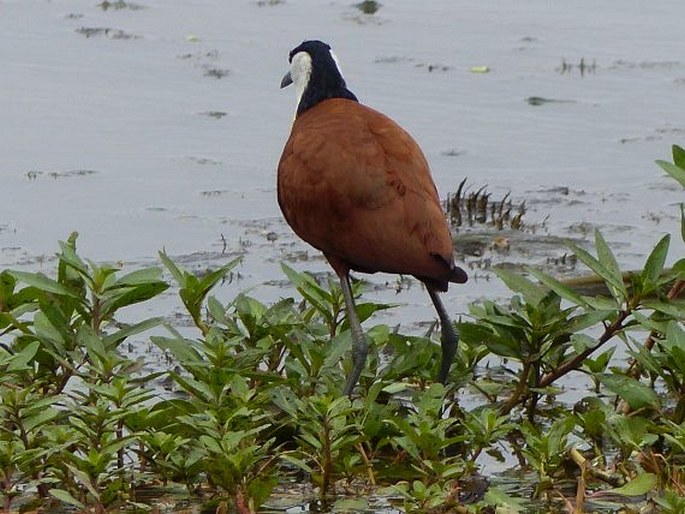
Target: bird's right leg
x: 449, y: 339
x: 360, y: 346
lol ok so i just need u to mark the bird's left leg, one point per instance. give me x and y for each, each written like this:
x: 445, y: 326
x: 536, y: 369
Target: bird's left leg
x: 360, y: 346
x: 449, y: 338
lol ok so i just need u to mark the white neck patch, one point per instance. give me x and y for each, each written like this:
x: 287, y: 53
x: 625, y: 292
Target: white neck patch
x: 300, y: 71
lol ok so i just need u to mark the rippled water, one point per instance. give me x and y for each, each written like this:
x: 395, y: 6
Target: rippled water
x: 161, y: 126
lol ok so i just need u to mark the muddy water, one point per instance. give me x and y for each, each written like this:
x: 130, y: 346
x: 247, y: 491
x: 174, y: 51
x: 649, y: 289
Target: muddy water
x: 159, y: 125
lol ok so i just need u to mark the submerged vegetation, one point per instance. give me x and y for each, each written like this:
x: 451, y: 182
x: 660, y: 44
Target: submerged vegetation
x: 466, y: 208
x: 253, y: 400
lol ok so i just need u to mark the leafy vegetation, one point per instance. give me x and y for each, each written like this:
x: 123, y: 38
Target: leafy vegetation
x: 257, y: 393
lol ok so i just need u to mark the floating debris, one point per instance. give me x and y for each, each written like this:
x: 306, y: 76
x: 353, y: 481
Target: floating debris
x: 269, y: 3
x: 34, y: 174
x: 211, y: 55
x: 583, y: 67
x: 479, y: 69
x: 217, y: 73
x: 120, y: 4
x: 106, y: 32
x: 434, y: 67
x: 213, y: 114
x: 204, y: 161
x: 645, y: 65
x: 368, y: 6
x: 215, y: 192
x: 658, y: 134
x: 392, y: 59
x: 538, y: 100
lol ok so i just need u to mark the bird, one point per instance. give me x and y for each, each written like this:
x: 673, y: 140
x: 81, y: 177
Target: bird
x: 355, y: 185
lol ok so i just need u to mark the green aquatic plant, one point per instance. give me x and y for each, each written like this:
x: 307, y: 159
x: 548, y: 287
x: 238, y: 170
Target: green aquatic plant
x: 252, y: 399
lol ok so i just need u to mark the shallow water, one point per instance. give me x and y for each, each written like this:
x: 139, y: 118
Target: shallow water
x: 161, y: 126
x: 164, y: 130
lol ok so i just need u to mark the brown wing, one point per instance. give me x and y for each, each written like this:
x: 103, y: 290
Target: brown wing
x: 355, y: 185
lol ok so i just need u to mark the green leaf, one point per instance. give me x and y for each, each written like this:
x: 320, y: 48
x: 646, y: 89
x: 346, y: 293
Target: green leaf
x: 141, y: 276
x: 532, y: 293
x: 395, y: 387
x: 179, y: 276
x: 84, y: 479
x: 650, y: 322
x: 504, y: 502
x: 47, y: 331
x: 182, y: 349
x: 367, y: 309
x: 211, y: 444
x: 300, y: 463
x: 40, y: 418
x: 564, y: 291
x: 582, y: 342
x: 217, y: 310
x: 115, y: 338
x: 678, y: 156
x: 674, y: 171
x: 655, y: 262
x: 65, y: 497
x: 636, y: 393
x: 208, y: 281
x: 21, y: 360
x: 40, y: 281
x: 607, y: 259
x: 70, y: 257
x: 674, y: 308
x: 641, y: 484
x: 116, y: 298
x: 600, y: 363
x: 475, y: 334
x: 675, y: 336
x: 310, y: 290
x: 587, y: 320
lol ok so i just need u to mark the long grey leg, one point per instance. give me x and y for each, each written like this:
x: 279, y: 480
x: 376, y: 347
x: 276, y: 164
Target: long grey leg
x: 360, y: 346
x: 449, y: 338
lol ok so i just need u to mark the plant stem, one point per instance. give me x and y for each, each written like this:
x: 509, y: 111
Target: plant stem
x: 367, y: 463
x: 515, y: 397
x: 634, y: 369
x: 575, y: 362
x: 327, y: 464
x: 614, y: 480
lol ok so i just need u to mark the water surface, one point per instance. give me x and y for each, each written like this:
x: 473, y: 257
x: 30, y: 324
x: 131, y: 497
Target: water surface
x: 161, y: 126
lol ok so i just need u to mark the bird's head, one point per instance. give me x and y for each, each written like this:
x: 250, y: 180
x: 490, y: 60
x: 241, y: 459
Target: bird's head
x: 315, y: 73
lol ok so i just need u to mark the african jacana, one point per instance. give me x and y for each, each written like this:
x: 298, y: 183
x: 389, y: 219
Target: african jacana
x: 353, y: 184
